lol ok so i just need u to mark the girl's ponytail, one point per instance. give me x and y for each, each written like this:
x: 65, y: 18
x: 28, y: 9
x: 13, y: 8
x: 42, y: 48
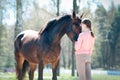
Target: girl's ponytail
x: 92, y: 34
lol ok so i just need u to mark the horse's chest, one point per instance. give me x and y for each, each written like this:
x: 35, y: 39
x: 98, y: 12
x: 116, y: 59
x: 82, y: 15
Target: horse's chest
x: 50, y: 58
x: 50, y: 55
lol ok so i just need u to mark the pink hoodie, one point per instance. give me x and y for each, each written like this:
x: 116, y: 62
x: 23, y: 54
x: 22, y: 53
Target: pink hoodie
x: 85, y: 43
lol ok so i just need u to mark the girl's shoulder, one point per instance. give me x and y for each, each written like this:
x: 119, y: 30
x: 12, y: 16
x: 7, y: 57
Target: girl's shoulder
x: 83, y: 33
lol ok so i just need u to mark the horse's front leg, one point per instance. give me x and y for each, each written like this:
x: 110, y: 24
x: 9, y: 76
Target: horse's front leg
x: 54, y: 69
x: 40, y: 70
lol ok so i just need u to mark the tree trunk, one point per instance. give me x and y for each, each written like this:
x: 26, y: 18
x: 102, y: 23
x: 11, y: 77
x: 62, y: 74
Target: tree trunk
x: 75, y: 8
x: 58, y: 7
x: 56, y: 4
x: 1, y: 17
x: 69, y: 54
x: 75, y: 5
x: 19, y: 22
x: 58, y: 10
x: 73, y: 61
x: 1, y: 26
x: 64, y: 62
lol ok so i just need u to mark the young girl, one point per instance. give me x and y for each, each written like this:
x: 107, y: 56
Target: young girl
x: 83, y: 50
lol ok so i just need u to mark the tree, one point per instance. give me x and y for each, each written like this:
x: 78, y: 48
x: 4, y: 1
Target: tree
x: 100, y: 20
x: 1, y: 28
x: 58, y: 13
x: 19, y: 22
x: 115, y: 32
x: 2, y: 34
x: 58, y: 7
x: 1, y: 17
x: 107, y: 37
x: 75, y: 8
x: 56, y: 4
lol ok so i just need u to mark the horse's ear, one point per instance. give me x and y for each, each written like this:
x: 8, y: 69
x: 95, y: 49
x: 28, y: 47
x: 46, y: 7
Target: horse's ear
x: 74, y: 14
x: 81, y: 16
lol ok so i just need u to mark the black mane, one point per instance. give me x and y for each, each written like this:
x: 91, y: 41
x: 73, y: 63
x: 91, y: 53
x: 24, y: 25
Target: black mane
x: 51, y: 24
x: 65, y: 17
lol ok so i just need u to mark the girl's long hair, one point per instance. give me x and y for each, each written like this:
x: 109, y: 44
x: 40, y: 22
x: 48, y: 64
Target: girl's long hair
x: 87, y: 22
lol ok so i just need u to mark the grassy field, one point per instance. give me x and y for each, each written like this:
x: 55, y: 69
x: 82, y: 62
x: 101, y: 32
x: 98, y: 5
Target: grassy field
x: 11, y: 76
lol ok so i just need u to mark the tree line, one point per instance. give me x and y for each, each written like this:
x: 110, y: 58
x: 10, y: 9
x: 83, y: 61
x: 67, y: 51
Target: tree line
x: 105, y: 23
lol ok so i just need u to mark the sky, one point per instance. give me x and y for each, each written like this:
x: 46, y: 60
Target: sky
x: 66, y: 7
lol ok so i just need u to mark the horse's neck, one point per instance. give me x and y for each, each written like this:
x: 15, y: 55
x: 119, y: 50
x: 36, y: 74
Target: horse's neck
x: 54, y: 36
x: 59, y: 32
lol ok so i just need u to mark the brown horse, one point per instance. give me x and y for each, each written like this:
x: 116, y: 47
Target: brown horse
x: 32, y: 47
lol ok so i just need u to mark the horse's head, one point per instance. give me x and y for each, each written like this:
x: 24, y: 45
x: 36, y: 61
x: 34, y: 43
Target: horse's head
x: 74, y: 30
x: 68, y: 24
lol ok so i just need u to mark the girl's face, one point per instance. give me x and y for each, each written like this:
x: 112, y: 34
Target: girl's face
x: 84, y: 26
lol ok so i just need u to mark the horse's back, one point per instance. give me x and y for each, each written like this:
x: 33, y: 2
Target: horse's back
x: 31, y: 33
x: 27, y: 33
x: 25, y: 36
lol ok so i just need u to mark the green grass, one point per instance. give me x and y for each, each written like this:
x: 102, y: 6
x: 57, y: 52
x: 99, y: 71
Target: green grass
x: 11, y: 76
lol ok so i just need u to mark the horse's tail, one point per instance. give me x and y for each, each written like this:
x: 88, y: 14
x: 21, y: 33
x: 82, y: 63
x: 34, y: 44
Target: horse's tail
x: 17, y: 43
x: 25, y: 65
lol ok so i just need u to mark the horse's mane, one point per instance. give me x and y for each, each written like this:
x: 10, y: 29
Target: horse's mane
x: 53, y: 22
x: 64, y: 17
x: 48, y: 26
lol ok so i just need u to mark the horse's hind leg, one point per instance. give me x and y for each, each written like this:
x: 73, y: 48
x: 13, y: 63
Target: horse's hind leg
x: 19, y: 66
x: 54, y: 69
x: 32, y: 69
